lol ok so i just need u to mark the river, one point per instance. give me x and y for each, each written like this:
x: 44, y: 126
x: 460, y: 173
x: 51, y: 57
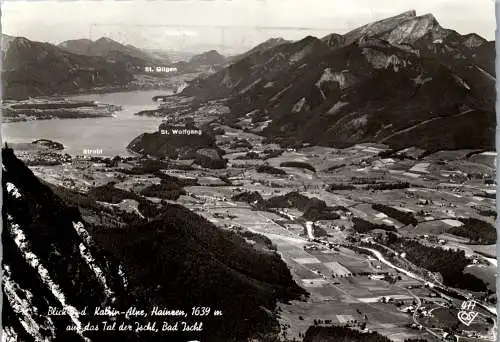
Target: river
x: 109, y: 134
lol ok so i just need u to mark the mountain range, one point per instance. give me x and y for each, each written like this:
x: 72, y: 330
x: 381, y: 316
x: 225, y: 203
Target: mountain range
x: 173, y: 55
x: 211, y: 57
x: 105, y: 47
x: 207, y: 61
x: 396, y: 81
x: 33, y: 68
x: 266, y: 45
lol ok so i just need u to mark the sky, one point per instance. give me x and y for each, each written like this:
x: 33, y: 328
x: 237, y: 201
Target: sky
x: 226, y: 25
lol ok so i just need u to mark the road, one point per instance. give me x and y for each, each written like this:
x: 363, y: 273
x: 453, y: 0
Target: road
x: 421, y: 123
x: 381, y: 258
x: 419, y: 304
x: 376, y: 253
x: 309, y: 227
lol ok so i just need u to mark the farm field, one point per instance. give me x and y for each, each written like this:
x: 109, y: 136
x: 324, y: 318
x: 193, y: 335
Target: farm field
x: 419, y: 200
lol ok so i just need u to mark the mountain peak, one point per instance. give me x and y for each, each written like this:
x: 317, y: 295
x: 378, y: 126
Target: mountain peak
x: 21, y: 41
x: 404, y: 28
x: 105, y: 40
x: 409, y: 13
x: 210, y: 57
x: 473, y: 40
x: 333, y: 40
x: 409, y: 31
x: 6, y: 41
x: 428, y: 18
x: 6, y: 36
x: 275, y: 40
x: 260, y: 48
x: 70, y: 43
x: 379, y: 27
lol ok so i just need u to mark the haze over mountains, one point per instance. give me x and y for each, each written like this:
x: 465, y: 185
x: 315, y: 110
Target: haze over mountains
x: 397, y: 81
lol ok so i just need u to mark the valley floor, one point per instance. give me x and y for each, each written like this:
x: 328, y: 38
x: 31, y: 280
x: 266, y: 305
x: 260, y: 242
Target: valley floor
x: 345, y: 285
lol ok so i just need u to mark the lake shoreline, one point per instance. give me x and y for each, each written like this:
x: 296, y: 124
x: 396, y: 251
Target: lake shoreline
x: 133, y: 86
x: 110, y: 133
x: 48, y: 109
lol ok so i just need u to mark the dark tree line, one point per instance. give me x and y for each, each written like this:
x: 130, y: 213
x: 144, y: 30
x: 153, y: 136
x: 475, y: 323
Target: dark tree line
x: 363, y: 226
x: 476, y: 230
x: 401, y: 216
x: 297, y: 164
x: 341, y: 334
x: 449, y: 263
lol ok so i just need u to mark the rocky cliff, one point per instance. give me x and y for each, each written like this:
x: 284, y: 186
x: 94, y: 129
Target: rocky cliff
x: 58, y: 268
x: 50, y: 263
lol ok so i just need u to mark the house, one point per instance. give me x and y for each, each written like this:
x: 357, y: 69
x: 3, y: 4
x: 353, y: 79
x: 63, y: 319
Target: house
x: 82, y: 163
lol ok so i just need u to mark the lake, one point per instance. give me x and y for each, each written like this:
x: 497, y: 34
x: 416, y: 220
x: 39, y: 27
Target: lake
x: 110, y: 134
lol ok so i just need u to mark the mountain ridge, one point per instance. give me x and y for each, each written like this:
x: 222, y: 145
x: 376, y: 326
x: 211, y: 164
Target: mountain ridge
x: 104, y: 46
x: 32, y: 69
x: 401, y: 74
x: 35, y: 69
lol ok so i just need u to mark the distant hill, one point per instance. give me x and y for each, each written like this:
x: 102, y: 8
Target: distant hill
x: 396, y: 81
x: 80, y: 46
x: 34, y: 68
x: 268, y: 44
x: 173, y: 143
x: 209, y: 61
x: 105, y: 47
x: 208, y: 58
x: 174, y: 56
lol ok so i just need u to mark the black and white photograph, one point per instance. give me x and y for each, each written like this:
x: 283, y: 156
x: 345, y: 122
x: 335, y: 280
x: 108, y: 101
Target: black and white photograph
x: 248, y: 171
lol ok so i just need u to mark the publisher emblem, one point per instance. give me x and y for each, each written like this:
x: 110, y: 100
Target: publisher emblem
x: 467, y: 314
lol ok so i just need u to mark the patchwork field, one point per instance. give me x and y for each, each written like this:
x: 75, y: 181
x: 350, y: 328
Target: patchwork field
x: 416, y: 199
